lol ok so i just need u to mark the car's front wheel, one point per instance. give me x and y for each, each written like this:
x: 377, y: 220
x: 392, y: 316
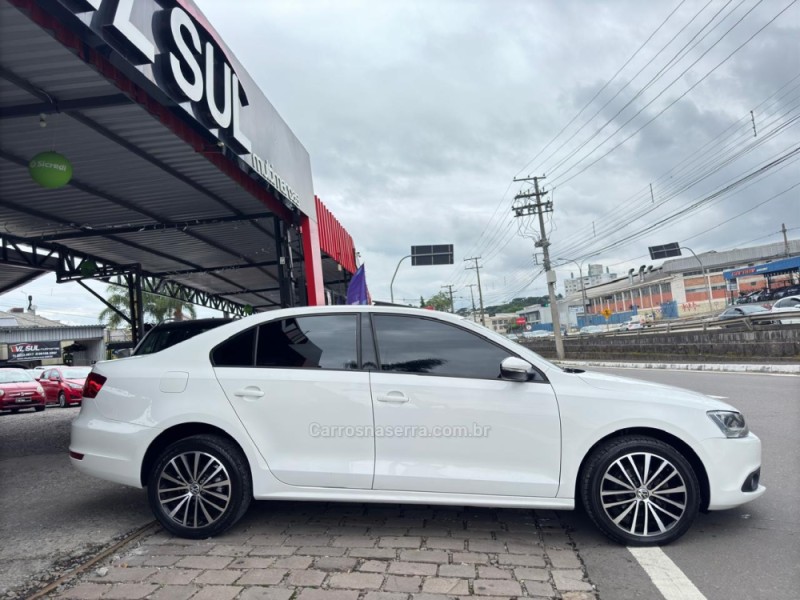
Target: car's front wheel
x: 62, y: 400
x: 640, y: 491
x: 199, y: 486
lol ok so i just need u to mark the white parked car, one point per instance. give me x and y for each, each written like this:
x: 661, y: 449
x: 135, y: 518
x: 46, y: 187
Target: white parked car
x: 787, y: 304
x: 384, y: 404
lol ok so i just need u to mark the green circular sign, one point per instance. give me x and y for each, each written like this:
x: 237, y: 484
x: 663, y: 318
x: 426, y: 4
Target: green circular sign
x: 88, y: 268
x: 50, y: 169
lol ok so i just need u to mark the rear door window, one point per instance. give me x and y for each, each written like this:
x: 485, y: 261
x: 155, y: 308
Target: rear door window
x: 314, y: 342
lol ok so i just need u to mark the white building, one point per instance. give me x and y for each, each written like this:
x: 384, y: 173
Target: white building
x: 499, y: 322
x: 596, y: 275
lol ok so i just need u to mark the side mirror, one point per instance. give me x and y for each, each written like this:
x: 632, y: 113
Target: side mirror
x: 515, y: 369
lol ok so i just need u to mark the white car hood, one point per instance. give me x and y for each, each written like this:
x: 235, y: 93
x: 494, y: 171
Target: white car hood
x: 651, y: 392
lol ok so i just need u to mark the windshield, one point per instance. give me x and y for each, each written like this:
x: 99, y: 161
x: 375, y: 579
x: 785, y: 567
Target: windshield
x: 76, y: 373
x: 15, y: 376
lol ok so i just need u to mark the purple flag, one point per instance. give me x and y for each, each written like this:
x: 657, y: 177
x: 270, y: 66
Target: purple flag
x: 357, y: 292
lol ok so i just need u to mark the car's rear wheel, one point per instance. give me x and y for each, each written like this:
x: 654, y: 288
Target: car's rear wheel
x: 62, y: 400
x: 199, y: 486
x: 640, y: 491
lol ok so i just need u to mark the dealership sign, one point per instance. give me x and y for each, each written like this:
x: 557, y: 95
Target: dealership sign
x: 34, y: 350
x: 186, y: 62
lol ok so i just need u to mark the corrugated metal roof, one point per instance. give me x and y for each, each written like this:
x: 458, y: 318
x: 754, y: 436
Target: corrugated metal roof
x: 129, y: 170
x: 49, y: 334
x: 28, y: 319
x: 732, y: 258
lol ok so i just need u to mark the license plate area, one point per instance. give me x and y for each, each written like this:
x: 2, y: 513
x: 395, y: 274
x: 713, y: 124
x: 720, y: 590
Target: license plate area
x: 22, y: 400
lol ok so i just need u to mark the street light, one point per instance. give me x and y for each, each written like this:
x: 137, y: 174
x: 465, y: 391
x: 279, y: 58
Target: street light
x: 705, y: 276
x: 391, y: 285
x: 583, y: 286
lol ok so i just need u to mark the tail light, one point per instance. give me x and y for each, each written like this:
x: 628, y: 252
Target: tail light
x: 92, y: 385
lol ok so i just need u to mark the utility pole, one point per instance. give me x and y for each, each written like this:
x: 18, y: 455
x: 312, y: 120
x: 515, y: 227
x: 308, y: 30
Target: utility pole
x: 785, y: 240
x: 450, y: 289
x: 539, y: 208
x: 472, y: 295
x: 477, y: 269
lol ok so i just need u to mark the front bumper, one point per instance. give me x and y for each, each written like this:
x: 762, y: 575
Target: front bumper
x: 111, y: 450
x: 73, y: 395
x: 7, y: 403
x: 730, y: 464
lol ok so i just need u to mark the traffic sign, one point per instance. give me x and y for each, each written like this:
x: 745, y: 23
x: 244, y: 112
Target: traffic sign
x: 606, y: 312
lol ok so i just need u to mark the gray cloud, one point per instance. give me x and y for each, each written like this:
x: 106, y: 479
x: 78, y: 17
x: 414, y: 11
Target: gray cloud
x: 417, y: 115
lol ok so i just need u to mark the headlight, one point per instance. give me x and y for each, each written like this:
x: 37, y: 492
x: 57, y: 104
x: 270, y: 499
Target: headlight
x: 75, y: 386
x: 40, y: 390
x: 731, y: 423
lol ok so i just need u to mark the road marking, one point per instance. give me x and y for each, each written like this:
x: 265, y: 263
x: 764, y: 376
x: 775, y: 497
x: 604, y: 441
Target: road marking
x: 665, y: 574
x: 718, y: 397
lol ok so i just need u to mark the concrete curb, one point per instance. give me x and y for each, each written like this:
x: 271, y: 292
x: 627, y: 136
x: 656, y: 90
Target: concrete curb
x: 774, y: 369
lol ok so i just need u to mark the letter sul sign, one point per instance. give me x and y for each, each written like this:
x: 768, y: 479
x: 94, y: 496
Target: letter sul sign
x: 34, y: 350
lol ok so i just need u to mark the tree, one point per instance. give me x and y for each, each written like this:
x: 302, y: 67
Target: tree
x: 440, y: 301
x: 158, y: 308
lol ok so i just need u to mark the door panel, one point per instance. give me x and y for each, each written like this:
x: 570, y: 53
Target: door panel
x: 286, y: 412
x: 467, y: 436
x: 302, y: 400
x: 446, y: 421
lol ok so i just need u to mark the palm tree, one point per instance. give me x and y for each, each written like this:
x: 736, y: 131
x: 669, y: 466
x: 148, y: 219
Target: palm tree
x: 159, y: 308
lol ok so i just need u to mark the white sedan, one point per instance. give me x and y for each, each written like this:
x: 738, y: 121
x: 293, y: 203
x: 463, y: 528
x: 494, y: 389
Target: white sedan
x: 789, y: 304
x: 377, y: 404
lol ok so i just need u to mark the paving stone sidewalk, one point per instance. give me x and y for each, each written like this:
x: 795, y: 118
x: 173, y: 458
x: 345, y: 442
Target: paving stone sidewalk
x: 320, y: 551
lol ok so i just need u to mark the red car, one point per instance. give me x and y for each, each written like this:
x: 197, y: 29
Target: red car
x: 19, y: 390
x: 64, y: 384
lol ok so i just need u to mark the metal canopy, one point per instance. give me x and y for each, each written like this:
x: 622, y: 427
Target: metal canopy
x: 140, y: 195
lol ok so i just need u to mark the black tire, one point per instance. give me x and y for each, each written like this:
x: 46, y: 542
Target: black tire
x: 39, y: 408
x: 62, y: 400
x: 200, y: 510
x: 621, y: 483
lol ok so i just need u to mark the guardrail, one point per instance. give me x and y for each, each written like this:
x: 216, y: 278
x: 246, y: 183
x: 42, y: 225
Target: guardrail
x: 748, y: 338
x: 704, y: 323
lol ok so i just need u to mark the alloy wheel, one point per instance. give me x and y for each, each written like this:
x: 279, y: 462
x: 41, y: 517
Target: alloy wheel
x: 643, y: 494
x: 194, y: 489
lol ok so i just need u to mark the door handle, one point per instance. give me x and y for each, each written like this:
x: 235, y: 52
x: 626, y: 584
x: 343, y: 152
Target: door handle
x: 393, y: 397
x: 249, y: 392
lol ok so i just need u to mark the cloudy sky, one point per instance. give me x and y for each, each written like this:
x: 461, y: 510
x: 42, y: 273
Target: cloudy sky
x: 418, y: 115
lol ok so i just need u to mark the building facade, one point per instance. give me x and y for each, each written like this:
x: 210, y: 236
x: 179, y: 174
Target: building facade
x: 682, y: 287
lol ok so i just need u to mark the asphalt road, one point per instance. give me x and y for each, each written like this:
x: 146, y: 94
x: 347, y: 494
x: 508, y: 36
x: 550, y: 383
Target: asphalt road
x: 51, y: 516
x: 745, y: 553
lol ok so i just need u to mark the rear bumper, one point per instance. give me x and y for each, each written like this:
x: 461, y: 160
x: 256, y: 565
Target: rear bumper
x: 731, y: 464
x: 112, y: 450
